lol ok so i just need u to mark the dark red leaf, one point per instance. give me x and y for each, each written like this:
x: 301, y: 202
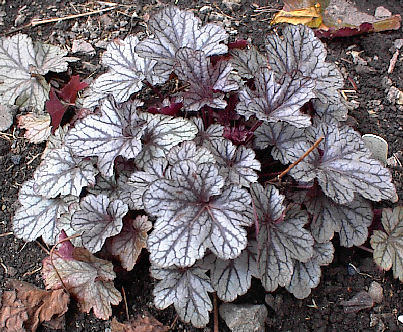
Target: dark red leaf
x: 56, y: 109
x: 238, y: 44
x: 69, y: 91
x: 173, y: 109
x: 229, y: 114
x: 66, y: 248
x: 238, y: 136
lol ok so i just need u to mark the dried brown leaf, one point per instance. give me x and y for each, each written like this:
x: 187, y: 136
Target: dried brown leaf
x: 25, y: 307
x: 143, y: 323
x: 37, y: 127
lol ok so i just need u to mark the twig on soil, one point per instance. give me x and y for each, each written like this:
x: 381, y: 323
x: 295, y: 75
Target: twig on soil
x: 29, y: 273
x: 33, y: 158
x: 366, y: 249
x: 313, y: 147
x: 3, y: 266
x: 43, y: 248
x: 392, y: 62
x: 6, y: 234
x: 125, y: 302
x: 215, y: 313
x: 173, y: 323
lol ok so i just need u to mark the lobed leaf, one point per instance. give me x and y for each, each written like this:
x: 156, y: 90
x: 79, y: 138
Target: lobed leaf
x: 273, y: 102
x: 173, y: 29
x: 388, y: 245
x: 214, y: 131
x: 248, y: 63
x: 116, y: 132
x: 344, y: 166
x: 187, y: 289
x: 37, y: 127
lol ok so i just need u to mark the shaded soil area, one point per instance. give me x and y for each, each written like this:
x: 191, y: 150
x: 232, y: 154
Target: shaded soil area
x: 375, y: 111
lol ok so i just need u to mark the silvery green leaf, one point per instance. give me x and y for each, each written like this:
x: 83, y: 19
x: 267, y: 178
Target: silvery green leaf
x: 273, y: 102
x: 214, y: 131
x: 188, y: 150
x: 238, y: 164
x: 281, y: 240
x: 351, y: 220
x: 343, y: 166
x: 195, y: 212
x: 115, y: 132
x: 139, y: 181
x: 128, y: 244
x: 299, y: 53
x: 307, y: 275
x: 173, y: 29
x: 337, y: 110
x: 232, y: 278
x: 207, y: 83
x: 38, y: 215
x: 98, y: 219
x: 248, y: 63
x: 126, y: 73
x: 388, y: 245
x: 55, y: 141
x: 115, y: 188
x: 23, y: 65
x: 161, y: 133
x: 288, y: 142
x: 62, y: 173
x: 187, y: 289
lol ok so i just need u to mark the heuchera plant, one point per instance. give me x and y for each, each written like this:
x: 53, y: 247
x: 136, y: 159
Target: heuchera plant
x: 205, y: 180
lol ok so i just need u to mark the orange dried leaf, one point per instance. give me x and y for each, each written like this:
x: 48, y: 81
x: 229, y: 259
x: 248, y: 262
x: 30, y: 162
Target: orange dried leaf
x: 143, y: 323
x: 310, y: 16
x: 25, y: 307
x: 37, y: 127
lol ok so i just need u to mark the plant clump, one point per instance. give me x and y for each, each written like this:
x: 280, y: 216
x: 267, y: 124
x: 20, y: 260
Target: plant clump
x: 194, y: 176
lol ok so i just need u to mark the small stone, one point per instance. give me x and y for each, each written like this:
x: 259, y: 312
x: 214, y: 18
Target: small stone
x: 244, y: 317
x: 376, y: 292
x: 106, y: 21
x: 393, y: 95
x: 398, y: 43
x: 3, y: 207
x: 80, y: 45
x: 382, y: 12
x: 400, y: 319
x: 377, y: 145
x: 15, y: 159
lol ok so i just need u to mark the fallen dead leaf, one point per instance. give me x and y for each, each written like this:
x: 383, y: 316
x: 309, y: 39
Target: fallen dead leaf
x: 310, y: 16
x: 25, y: 307
x: 143, y: 323
x: 37, y: 127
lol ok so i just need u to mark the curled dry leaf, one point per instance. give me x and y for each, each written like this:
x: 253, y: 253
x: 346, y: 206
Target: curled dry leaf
x: 143, y: 323
x: 37, y: 127
x: 25, y: 307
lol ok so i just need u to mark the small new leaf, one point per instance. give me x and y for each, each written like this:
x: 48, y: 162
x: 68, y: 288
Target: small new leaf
x: 132, y: 239
x: 98, y: 219
x: 116, y: 132
x: 207, y: 83
x: 187, y: 290
x: 86, y: 277
x: 173, y: 29
x: 388, y: 245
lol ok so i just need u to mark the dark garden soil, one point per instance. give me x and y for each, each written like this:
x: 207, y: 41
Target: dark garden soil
x: 375, y: 113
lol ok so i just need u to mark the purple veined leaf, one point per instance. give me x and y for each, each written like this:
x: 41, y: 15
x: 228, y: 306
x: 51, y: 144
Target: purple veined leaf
x: 388, y: 245
x: 207, y: 83
x: 173, y: 29
x: 116, y: 132
x: 88, y: 278
x: 273, y: 102
x: 161, y: 133
x: 128, y: 244
x: 55, y: 141
x: 62, y: 173
x: 22, y: 70
x: 187, y: 289
x: 98, y: 219
x: 139, y: 181
x: 282, y: 238
x: 299, y: 51
x: 115, y: 188
x: 286, y: 140
x: 214, y: 131
x: 307, y: 275
x: 344, y: 166
x: 188, y: 150
x: 195, y: 212
x: 232, y: 278
x: 238, y: 165
x: 126, y: 73
x: 38, y: 215
x: 337, y: 110
x: 351, y: 220
x: 247, y: 63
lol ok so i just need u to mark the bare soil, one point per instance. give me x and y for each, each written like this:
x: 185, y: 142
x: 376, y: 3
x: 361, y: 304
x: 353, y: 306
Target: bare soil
x: 321, y: 311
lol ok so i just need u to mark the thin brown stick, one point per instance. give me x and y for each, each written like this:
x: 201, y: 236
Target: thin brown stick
x: 366, y: 249
x: 42, y: 247
x: 125, y: 302
x: 171, y: 327
x: 215, y: 313
x: 313, y: 147
x: 6, y: 234
x: 392, y: 62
